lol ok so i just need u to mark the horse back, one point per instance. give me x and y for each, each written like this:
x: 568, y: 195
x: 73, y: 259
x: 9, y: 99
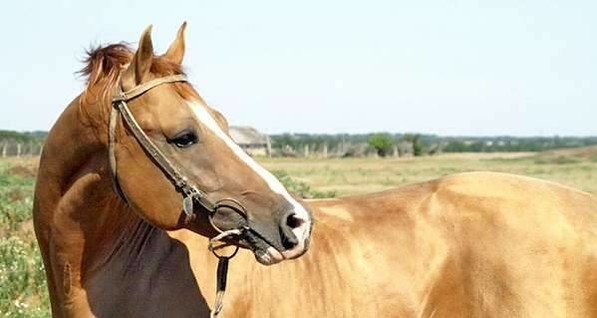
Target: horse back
x: 473, y: 244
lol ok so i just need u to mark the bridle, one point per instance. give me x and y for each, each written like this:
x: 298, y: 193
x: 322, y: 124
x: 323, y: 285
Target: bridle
x: 191, y: 194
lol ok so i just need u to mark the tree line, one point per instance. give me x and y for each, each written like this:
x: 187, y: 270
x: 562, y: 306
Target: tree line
x: 14, y: 143
x: 398, y: 144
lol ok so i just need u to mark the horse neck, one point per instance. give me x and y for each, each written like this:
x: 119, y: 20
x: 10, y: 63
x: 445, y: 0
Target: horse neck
x: 75, y: 167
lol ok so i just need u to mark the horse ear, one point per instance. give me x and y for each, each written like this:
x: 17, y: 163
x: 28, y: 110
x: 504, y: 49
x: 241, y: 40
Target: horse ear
x: 138, y: 70
x: 176, y: 50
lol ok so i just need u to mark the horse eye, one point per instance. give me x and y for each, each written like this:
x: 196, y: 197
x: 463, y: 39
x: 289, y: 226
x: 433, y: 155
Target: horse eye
x: 185, y: 139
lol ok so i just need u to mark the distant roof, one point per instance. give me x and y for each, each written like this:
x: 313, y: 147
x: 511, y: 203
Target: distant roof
x: 244, y: 135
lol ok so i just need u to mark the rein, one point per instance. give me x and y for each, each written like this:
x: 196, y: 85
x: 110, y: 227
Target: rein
x: 190, y: 192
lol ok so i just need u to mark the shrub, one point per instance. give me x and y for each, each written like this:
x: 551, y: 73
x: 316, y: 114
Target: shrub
x: 382, y: 143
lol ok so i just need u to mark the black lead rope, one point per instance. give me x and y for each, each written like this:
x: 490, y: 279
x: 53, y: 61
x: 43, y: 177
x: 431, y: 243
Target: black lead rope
x: 222, y: 271
x: 221, y: 285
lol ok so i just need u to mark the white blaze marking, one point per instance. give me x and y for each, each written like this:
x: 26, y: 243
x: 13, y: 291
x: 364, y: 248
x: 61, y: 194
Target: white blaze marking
x: 274, y: 184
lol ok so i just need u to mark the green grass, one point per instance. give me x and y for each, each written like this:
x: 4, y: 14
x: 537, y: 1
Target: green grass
x: 23, y: 291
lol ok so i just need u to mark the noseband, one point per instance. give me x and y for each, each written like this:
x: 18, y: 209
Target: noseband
x: 191, y: 194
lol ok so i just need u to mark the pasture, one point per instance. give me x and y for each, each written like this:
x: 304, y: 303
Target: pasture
x: 574, y: 167
x: 22, y: 280
x: 23, y: 291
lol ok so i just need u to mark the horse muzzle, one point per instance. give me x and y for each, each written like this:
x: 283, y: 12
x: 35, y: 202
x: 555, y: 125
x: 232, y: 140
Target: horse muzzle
x: 287, y: 237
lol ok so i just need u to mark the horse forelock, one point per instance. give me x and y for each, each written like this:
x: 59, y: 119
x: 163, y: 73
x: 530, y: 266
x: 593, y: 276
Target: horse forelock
x: 103, y: 66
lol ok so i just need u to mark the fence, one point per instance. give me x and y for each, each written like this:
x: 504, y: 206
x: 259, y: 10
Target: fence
x: 19, y: 149
x: 343, y: 149
x: 13, y: 148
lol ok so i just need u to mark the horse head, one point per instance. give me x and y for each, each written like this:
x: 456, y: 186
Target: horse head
x: 194, y: 139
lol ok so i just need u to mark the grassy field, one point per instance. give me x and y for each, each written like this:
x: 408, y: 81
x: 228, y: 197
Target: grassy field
x: 22, y: 280
x: 362, y: 175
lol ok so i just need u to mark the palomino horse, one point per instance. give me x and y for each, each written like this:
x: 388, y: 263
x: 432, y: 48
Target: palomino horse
x: 123, y: 222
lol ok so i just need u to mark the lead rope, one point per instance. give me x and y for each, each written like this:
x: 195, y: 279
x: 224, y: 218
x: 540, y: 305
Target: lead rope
x: 222, y: 271
x: 221, y: 286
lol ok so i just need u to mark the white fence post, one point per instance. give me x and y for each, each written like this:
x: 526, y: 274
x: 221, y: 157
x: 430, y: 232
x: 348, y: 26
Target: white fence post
x: 268, y: 148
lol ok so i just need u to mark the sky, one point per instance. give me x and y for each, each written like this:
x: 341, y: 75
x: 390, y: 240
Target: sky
x: 520, y: 68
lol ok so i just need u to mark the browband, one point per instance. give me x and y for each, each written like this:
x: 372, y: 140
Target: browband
x: 142, y: 88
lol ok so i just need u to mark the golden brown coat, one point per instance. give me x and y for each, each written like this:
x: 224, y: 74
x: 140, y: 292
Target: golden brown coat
x: 469, y: 245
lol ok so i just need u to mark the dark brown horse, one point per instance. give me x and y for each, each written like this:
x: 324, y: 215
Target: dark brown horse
x: 476, y: 244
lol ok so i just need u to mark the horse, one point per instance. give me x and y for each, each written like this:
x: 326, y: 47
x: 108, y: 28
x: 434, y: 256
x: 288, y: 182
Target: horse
x: 139, y: 178
x: 138, y: 120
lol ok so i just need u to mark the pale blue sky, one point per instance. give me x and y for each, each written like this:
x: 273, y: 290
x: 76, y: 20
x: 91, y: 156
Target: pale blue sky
x: 445, y: 67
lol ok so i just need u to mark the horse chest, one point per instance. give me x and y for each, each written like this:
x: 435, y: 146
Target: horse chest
x: 150, y: 277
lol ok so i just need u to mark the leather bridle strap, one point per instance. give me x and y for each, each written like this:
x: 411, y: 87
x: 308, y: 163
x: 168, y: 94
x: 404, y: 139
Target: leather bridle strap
x: 144, y: 87
x: 190, y: 192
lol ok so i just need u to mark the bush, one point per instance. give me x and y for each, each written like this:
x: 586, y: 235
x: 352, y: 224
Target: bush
x: 415, y: 140
x: 15, y: 208
x: 382, y: 143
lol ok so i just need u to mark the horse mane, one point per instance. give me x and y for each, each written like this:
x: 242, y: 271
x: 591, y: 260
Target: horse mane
x: 102, y: 68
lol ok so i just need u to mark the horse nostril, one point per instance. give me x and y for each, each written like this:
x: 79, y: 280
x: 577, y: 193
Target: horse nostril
x: 289, y: 243
x: 288, y: 224
x: 293, y: 221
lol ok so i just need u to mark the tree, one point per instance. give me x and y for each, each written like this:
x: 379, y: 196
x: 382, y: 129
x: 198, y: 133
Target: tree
x: 382, y: 143
x: 415, y: 140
